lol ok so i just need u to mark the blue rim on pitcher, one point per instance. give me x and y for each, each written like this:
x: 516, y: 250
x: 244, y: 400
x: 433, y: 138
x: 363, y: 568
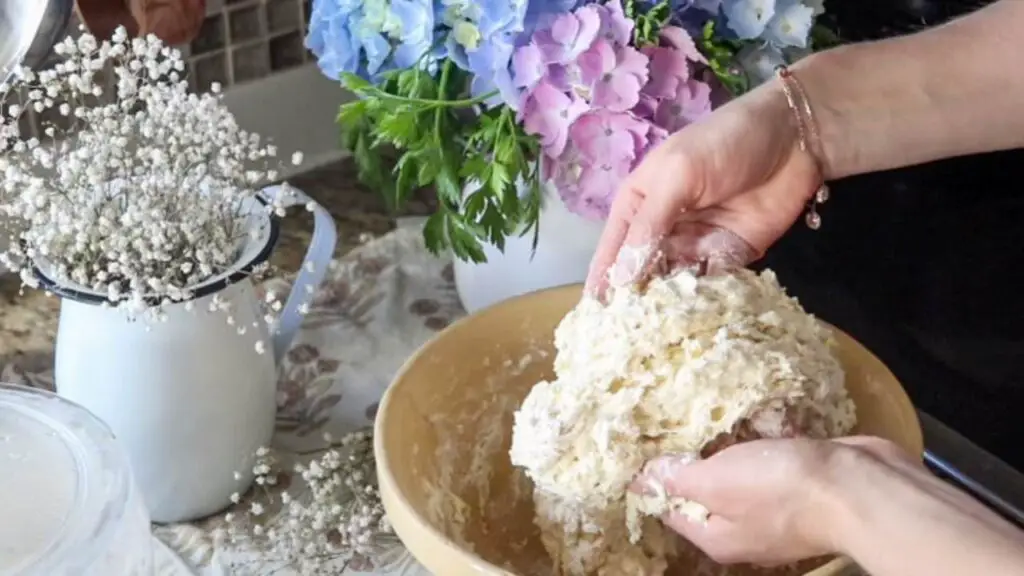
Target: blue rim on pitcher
x: 253, y: 253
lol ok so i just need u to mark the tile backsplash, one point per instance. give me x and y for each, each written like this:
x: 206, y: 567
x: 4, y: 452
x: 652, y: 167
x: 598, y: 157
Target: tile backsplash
x: 240, y: 41
x: 245, y: 40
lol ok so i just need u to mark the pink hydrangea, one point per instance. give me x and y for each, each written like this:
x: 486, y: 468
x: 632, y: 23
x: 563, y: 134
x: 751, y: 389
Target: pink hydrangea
x: 598, y: 104
x: 548, y: 112
x: 612, y: 75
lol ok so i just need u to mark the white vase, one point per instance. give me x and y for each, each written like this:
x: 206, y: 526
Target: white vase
x: 189, y: 398
x: 565, y: 246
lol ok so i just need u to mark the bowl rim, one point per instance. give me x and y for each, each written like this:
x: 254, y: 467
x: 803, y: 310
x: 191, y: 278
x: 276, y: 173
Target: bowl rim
x: 837, y: 566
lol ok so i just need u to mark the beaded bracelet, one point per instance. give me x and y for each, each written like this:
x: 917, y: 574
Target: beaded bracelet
x: 810, y: 140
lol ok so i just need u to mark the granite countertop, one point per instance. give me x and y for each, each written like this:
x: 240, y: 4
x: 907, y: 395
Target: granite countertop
x: 28, y: 321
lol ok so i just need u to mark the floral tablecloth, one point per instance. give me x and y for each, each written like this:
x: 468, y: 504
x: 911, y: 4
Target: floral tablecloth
x: 379, y: 303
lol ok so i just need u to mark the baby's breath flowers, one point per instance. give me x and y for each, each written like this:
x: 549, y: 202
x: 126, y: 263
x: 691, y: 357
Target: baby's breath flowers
x: 140, y: 195
x: 316, y: 527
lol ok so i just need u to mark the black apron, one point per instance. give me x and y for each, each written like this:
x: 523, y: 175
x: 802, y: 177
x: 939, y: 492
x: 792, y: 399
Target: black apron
x: 924, y: 266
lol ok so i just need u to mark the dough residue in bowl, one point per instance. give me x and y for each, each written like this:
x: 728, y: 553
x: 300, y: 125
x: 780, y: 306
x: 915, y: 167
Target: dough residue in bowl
x: 685, y: 366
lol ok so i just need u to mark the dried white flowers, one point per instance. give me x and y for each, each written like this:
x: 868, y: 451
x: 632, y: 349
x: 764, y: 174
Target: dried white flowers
x: 336, y: 516
x: 138, y: 200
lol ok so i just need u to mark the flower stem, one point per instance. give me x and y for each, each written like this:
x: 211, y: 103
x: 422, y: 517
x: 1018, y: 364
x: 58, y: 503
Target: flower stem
x: 438, y: 103
x: 441, y: 100
x: 442, y: 91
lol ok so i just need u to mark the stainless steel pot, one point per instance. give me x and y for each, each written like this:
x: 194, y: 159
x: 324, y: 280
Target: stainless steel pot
x: 29, y: 29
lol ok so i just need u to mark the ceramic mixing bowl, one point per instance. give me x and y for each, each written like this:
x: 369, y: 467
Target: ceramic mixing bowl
x: 443, y: 432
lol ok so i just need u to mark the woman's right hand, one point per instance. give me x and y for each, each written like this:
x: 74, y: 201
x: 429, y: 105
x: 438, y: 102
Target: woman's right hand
x: 776, y: 501
x: 718, y: 192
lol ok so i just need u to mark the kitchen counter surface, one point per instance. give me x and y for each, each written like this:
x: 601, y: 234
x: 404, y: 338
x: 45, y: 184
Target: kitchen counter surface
x: 28, y: 322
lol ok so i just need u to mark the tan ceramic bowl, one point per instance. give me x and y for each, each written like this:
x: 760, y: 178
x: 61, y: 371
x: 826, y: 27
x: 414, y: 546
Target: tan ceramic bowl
x: 443, y: 432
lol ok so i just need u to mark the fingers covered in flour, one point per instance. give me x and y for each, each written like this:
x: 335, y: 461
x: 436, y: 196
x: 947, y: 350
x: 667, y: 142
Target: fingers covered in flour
x: 710, y: 248
x: 678, y: 476
x: 623, y: 210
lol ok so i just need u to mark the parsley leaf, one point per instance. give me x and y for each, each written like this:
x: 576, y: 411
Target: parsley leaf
x: 648, y: 20
x: 481, y: 164
x: 721, y: 55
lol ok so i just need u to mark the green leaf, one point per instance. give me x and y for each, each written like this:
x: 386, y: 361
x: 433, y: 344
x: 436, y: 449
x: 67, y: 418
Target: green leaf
x: 474, y: 204
x: 434, y: 233
x: 463, y: 240
x: 405, y: 180
x: 630, y: 9
x: 507, y: 151
x: 448, y: 186
x: 423, y: 116
x: 352, y: 113
x: 822, y: 37
x: 428, y: 171
x: 474, y: 168
x: 510, y: 207
x: 355, y: 83
x: 400, y: 127
x: 499, y: 180
x: 408, y: 81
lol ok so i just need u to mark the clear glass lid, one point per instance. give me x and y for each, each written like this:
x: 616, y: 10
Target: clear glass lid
x: 65, y: 485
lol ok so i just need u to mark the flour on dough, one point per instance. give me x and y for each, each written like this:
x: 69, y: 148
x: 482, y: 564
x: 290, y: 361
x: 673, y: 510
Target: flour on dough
x: 684, y: 366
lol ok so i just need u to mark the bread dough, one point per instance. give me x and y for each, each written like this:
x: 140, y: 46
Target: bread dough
x: 683, y: 366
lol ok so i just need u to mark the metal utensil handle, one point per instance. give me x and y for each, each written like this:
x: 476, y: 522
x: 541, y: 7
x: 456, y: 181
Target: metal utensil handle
x: 983, y: 475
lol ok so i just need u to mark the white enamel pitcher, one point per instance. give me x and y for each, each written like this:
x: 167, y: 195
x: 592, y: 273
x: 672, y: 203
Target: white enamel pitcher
x: 189, y: 398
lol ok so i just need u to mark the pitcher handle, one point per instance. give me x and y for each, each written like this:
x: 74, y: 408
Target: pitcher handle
x: 313, y: 269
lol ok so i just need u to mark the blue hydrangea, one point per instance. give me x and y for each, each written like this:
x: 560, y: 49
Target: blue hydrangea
x: 779, y: 23
x: 415, y: 19
x: 368, y: 37
x: 758, y: 61
x: 791, y: 25
x: 710, y: 6
x: 748, y: 18
x: 484, y: 34
x: 331, y: 39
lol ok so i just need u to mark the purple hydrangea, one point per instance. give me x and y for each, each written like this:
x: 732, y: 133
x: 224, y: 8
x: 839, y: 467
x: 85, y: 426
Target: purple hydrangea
x: 598, y: 104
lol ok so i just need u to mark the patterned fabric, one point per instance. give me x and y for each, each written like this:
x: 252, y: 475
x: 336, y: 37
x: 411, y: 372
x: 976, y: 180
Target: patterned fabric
x: 379, y: 303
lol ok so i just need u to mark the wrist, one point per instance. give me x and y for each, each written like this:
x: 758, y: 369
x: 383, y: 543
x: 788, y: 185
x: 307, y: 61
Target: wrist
x: 774, y: 109
x: 837, y: 153
x: 841, y: 507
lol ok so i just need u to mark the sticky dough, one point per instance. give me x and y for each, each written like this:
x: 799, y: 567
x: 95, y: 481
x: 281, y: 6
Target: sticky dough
x: 684, y: 366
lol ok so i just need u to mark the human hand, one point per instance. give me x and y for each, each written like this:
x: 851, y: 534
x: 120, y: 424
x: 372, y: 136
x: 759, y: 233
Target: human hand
x: 771, y: 501
x: 717, y: 193
x: 173, y: 21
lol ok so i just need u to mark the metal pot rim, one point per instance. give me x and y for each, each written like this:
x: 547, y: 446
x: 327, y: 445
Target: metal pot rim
x: 24, y: 34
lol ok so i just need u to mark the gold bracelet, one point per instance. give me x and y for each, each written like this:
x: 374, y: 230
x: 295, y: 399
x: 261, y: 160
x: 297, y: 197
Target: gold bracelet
x: 810, y: 139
